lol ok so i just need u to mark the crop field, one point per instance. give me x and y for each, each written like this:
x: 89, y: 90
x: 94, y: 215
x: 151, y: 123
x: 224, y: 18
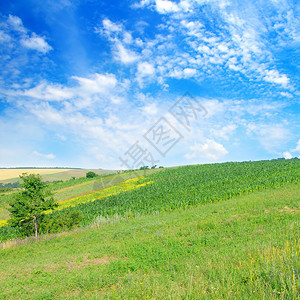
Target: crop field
x: 12, y: 175
x: 186, y: 186
x: 218, y: 231
x: 82, y: 190
x: 244, y: 248
x: 83, y: 186
x: 170, y: 189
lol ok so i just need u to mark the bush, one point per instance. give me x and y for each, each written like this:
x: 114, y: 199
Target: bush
x: 61, y: 222
x: 91, y: 174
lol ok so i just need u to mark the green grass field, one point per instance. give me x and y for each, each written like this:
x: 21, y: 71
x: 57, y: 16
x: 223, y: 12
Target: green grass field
x: 243, y: 248
x: 219, y: 231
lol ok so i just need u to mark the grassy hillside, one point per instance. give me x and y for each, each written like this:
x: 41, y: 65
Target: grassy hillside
x: 244, y: 248
x: 186, y: 186
x: 80, y: 190
x: 219, y: 231
x: 166, y: 190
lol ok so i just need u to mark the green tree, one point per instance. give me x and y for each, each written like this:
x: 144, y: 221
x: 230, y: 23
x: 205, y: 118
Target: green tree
x: 28, y: 206
x: 91, y: 174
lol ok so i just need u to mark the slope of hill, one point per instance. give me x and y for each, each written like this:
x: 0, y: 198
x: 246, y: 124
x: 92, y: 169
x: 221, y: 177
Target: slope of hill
x: 218, y: 231
x: 243, y: 248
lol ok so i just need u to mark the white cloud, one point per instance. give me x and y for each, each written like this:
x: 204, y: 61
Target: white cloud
x: 47, y: 156
x: 165, y: 6
x: 211, y: 150
x: 61, y: 137
x: 145, y: 69
x: 189, y: 72
x: 110, y: 27
x: 45, y: 91
x: 224, y: 132
x: 16, y: 23
x: 124, y: 55
x: 237, y: 43
x: 4, y: 37
x: 287, y: 155
x: 33, y: 41
x: 36, y: 43
x: 286, y: 94
x: 297, y: 149
x: 150, y: 109
x: 273, y: 76
x: 271, y: 136
x: 47, y: 114
x: 97, y: 83
x: 145, y: 72
x: 183, y: 73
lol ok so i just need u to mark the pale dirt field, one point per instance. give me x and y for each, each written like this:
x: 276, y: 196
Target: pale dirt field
x: 14, y: 173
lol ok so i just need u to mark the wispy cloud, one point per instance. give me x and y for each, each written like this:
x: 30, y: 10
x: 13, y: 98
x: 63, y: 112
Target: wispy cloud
x: 36, y: 42
x: 27, y: 40
x: 47, y: 156
x: 237, y: 57
x: 297, y: 149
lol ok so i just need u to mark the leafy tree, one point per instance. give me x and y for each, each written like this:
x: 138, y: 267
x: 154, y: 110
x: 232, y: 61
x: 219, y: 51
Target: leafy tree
x: 91, y: 174
x: 28, y: 206
x: 144, y: 168
x: 61, y: 221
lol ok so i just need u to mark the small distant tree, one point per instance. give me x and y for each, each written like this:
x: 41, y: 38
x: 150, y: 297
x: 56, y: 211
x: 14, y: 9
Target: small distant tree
x: 91, y: 174
x: 28, y: 206
x: 144, y: 168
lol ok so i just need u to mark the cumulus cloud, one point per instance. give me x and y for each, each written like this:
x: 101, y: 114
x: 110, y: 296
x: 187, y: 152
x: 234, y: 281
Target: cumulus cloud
x: 36, y: 42
x: 210, y: 150
x: 287, y: 155
x: 145, y: 69
x: 165, y: 6
x: 189, y: 72
x: 273, y: 76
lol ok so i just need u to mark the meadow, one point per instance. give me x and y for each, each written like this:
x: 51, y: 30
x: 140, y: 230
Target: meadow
x: 217, y: 231
x: 243, y: 248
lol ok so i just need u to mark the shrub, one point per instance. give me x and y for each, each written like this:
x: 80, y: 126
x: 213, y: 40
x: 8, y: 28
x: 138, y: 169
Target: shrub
x: 91, y: 174
x: 61, y: 222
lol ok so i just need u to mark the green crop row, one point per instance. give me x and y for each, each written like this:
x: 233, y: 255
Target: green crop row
x: 187, y: 186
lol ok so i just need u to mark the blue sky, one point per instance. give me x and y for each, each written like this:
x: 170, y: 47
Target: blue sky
x: 91, y: 83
